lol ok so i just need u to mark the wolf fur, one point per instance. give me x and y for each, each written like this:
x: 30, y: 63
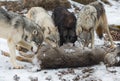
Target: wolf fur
x: 16, y: 28
x: 92, y: 18
x: 43, y: 19
x: 65, y: 21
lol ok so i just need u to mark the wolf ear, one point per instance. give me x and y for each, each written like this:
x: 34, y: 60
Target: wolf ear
x: 35, y: 32
x: 32, y: 14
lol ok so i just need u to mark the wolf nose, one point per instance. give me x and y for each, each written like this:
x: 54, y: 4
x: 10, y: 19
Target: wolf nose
x: 34, y: 49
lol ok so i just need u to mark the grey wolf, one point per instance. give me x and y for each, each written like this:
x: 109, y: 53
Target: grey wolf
x: 66, y: 23
x: 92, y: 18
x: 43, y: 19
x: 16, y: 28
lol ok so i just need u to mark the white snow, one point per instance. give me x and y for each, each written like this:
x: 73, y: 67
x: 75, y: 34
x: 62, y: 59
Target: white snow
x: 113, y: 12
x: 97, y: 73
x: 69, y: 50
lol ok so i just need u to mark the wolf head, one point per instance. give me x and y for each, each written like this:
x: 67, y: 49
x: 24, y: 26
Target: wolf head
x: 69, y: 35
x: 35, y: 37
x: 85, y: 38
x: 52, y: 36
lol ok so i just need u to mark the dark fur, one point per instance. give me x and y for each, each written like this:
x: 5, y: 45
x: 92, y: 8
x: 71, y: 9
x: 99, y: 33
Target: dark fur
x: 99, y: 7
x: 66, y: 23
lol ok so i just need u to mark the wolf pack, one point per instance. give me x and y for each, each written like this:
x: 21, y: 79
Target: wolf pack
x: 39, y: 28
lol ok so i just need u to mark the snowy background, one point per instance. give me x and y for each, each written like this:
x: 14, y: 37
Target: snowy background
x: 93, y: 73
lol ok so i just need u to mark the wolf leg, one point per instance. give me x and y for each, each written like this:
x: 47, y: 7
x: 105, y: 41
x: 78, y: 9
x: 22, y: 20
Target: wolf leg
x: 110, y: 37
x: 105, y: 23
x: 92, y: 41
x: 86, y: 43
x: 11, y: 46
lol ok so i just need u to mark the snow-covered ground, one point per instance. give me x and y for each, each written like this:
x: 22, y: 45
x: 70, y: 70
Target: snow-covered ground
x: 113, y: 12
x: 94, y: 73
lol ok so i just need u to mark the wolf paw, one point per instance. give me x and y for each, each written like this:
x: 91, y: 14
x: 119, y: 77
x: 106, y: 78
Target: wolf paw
x: 18, y: 67
x: 112, y: 46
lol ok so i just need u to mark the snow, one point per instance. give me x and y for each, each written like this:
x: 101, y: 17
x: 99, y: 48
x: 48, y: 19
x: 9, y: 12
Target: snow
x: 94, y: 73
x: 113, y: 12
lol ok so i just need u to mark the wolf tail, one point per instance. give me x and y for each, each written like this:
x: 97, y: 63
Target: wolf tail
x: 99, y: 31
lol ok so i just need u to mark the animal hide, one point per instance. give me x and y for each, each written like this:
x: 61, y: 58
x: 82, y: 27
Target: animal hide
x: 71, y: 57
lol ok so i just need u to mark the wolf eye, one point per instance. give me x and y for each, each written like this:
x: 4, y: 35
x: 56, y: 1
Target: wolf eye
x: 53, y: 40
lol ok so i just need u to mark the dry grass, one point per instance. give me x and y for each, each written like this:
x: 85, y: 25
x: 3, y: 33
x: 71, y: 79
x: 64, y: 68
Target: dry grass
x: 89, y: 1
x: 85, y: 1
x: 47, y: 4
